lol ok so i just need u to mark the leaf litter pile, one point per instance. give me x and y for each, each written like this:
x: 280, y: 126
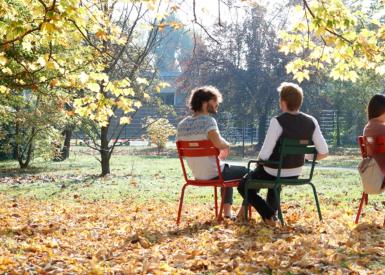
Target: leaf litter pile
x: 125, y: 237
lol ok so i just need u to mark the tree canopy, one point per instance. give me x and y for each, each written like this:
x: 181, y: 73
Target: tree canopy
x: 330, y: 35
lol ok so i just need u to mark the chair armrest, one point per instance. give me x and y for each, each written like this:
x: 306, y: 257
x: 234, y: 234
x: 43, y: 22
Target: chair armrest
x: 261, y: 162
x: 310, y: 161
x: 250, y: 162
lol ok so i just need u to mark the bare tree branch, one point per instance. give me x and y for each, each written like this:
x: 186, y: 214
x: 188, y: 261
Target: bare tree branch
x: 201, y: 26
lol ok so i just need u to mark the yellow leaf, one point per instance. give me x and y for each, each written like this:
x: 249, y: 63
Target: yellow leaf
x: 3, y: 60
x: 161, y: 15
x: 83, y: 77
x: 137, y: 104
x: 141, y: 81
x: 99, y: 77
x: 93, y: 87
x: 4, y: 90
x: 102, y: 35
x: 290, y: 68
x: 151, y: 5
x: 353, y: 76
x: 125, y: 120
x: 41, y: 61
x: 7, y: 71
x: 48, y: 27
x: 127, y: 92
x: 6, y: 260
x: 380, y: 70
x: 51, y: 65
x: 53, y: 82
x: 27, y: 46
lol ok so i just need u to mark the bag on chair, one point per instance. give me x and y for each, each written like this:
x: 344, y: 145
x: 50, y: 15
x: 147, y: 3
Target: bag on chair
x: 371, y: 176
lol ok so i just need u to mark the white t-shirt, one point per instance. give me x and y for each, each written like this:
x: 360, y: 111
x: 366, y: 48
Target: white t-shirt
x: 274, y: 132
x: 197, y: 128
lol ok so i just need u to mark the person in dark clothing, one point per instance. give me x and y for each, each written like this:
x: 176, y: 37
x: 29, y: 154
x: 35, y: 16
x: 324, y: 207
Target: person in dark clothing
x: 293, y: 124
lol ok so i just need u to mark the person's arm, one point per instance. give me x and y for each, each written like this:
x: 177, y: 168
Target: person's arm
x: 217, y: 140
x: 322, y: 156
x: 272, y: 136
x: 319, y: 142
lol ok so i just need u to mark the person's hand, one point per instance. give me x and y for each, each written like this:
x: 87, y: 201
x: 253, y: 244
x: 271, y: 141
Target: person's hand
x: 223, y: 154
x: 309, y: 157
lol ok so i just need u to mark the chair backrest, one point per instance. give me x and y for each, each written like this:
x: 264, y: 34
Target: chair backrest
x: 297, y: 147
x: 371, y: 145
x: 198, y: 148
x: 362, y: 144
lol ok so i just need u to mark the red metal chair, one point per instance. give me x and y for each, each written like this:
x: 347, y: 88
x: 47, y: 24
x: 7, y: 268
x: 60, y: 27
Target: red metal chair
x: 202, y: 148
x: 369, y: 146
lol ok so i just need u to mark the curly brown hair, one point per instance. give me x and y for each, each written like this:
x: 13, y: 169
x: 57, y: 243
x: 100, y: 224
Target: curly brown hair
x: 203, y: 94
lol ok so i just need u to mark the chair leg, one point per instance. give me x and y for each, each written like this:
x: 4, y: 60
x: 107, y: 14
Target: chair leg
x: 223, y: 193
x: 363, y: 199
x: 216, y: 201
x: 246, y: 201
x: 366, y: 198
x: 181, y: 204
x: 249, y: 206
x: 316, y: 201
x: 278, y: 200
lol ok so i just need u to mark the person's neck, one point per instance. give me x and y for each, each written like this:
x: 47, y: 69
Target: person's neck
x: 381, y: 119
x: 201, y: 113
x: 292, y: 112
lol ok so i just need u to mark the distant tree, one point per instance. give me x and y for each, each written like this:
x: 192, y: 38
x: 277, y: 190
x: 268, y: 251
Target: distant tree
x: 127, y: 79
x: 99, y: 52
x: 33, y: 127
x: 159, y: 131
x: 246, y: 66
x: 350, y: 101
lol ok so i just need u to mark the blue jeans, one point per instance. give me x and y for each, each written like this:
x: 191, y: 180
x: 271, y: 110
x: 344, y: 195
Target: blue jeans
x: 232, y: 172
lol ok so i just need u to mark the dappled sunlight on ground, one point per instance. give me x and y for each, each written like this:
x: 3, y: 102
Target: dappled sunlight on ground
x: 103, y: 236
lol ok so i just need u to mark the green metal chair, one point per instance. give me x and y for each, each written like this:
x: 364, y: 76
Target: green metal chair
x: 288, y: 147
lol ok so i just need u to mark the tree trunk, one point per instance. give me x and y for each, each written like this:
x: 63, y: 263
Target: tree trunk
x: 65, y: 151
x: 24, y: 162
x: 104, y: 151
x: 261, y: 129
x: 16, y: 150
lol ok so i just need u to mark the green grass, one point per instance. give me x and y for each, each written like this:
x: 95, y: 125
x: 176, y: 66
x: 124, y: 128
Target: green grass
x: 345, y: 161
x: 146, y: 178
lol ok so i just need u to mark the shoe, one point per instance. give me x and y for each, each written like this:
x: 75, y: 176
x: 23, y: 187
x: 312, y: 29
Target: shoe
x: 232, y: 217
x: 241, y: 215
x: 273, y: 221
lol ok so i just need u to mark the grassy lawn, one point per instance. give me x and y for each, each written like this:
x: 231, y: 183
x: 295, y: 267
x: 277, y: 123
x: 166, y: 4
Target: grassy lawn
x: 69, y: 220
x: 347, y: 161
x: 144, y: 177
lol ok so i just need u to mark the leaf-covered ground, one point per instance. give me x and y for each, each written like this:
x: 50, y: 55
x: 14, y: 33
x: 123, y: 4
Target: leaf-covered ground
x: 62, y: 218
x: 128, y: 237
